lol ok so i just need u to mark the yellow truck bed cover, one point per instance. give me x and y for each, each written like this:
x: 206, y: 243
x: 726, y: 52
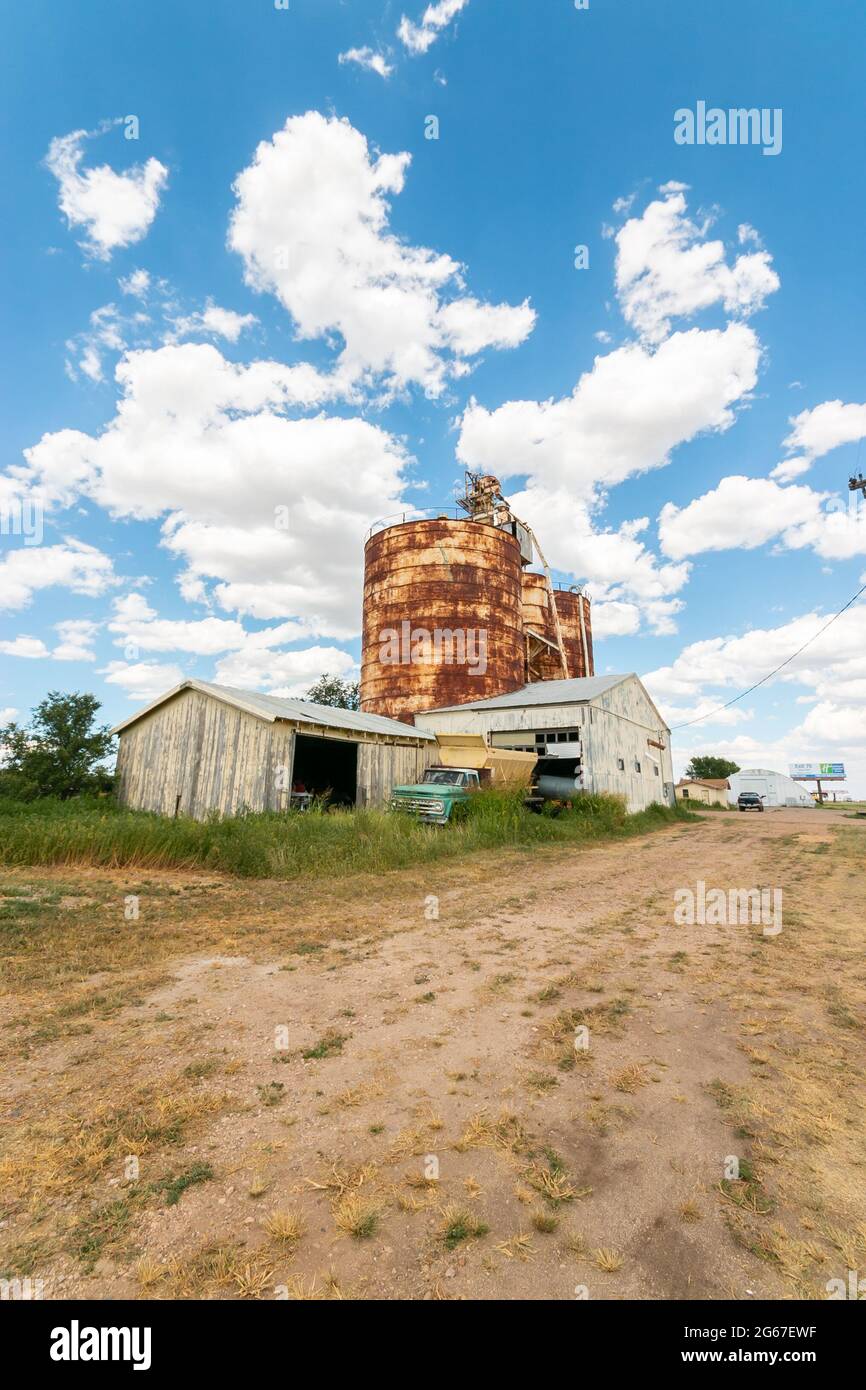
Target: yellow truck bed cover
x: 506, y: 766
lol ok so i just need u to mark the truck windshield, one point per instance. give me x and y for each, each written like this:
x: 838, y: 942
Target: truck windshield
x: 443, y: 777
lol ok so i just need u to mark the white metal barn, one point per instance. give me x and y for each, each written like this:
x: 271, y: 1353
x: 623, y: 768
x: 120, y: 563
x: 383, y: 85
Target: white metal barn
x: 775, y: 788
x: 607, y: 725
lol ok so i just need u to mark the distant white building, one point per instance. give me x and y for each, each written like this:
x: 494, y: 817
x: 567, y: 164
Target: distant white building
x: 775, y: 788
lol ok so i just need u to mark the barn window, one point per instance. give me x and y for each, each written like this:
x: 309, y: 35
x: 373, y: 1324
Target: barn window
x: 636, y: 765
x: 620, y: 764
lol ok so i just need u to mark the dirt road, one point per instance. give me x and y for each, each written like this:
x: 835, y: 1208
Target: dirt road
x: 515, y: 1078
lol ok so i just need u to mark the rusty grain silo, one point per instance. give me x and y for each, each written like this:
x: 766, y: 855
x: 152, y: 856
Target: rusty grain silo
x: 430, y: 585
x: 543, y: 661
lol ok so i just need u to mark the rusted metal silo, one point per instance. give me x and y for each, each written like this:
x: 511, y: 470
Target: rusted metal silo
x: 442, y: 616
x: 543, y: 660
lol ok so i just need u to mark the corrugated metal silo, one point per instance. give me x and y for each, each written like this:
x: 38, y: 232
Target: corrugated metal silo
x: 430, y: 585
x: 542, y: 650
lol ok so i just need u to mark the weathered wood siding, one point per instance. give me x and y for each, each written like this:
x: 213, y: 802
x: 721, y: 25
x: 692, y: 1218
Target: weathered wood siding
x: 382, y: 766
x: 195, y: 754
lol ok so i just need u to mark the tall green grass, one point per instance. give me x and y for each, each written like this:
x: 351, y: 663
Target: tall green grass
x: 100, y: 833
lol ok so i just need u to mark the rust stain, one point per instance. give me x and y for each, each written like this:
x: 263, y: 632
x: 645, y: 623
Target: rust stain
x: 457, y: 577
x: 544, y: 661
x: 440, y: 576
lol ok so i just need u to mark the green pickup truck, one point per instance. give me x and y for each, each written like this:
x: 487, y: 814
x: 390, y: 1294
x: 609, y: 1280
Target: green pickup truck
x: 433, y: 798
x: 467, y: 764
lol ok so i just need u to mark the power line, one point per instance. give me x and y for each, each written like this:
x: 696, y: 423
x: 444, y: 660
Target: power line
x: 780, y: 667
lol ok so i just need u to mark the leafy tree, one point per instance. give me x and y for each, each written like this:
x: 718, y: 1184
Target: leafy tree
x: 332, y: 690
x: 706, y: 765
x: 59, y: 753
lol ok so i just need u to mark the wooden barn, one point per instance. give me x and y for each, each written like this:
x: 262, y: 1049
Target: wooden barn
x: 201, y: 748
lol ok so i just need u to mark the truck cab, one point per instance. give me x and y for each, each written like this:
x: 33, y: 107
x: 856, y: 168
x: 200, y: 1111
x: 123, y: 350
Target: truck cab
x: 465, y: 764
x: 439, y: 791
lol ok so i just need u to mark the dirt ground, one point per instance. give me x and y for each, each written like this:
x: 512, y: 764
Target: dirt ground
x: 513, y: 1078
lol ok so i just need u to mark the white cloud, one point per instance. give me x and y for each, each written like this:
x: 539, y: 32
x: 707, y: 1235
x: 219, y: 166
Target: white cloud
x: 816, y: 432
x: 30, y: 647
x: 311, y: 224
x: 746, y: 235
x: 114, y: 209
x: 136, y: 284
x: 615, y: 619
x: 267, y: 512
x: 221, y: 323
x: 624, y: 577
x: 743, y: 513
x: 281, y: 672
x: 740, y: 512
x: 112, y: 331
x: 791, y: 468
x: 76, y: 640
x: 831, y: 673
x: 418, y: 38
x: 106, y: 332
x: 833, y: 666
x: 468, y: 326
x: 249, y: 660
x: 73, y: 565
x: 666, y: 269
x: 139, y: 627
x: 142, y: 680
x: 625, y: 416
x: 368, y: 58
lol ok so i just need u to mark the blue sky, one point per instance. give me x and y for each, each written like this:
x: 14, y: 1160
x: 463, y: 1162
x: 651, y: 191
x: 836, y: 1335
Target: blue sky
x: 282, y: 294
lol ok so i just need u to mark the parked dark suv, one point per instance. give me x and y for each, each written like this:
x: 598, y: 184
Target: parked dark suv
x: 749, y: 801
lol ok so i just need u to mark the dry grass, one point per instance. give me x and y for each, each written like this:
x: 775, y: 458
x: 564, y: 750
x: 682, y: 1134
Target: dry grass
x: 285, y: 1227
x: 64, y: 1153
x: 341, y: 1181
x: 690, y: 1211
x: 218, y: 1271
x: 506, y: 1133
x: 547, y: 1175
x: 609, y: 1261
x: 630, y: 1079
x: 517, y: 1247
x: 575, y: 1245
x: 356, y: 1216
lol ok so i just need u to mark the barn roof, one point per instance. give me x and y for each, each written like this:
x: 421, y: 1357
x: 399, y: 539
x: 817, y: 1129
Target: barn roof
x: 570, y: 692
x: 273, y: 707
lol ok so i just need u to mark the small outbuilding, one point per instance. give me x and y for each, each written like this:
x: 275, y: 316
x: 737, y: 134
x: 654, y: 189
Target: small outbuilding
x: 709, y: 791
x: 202, y: 748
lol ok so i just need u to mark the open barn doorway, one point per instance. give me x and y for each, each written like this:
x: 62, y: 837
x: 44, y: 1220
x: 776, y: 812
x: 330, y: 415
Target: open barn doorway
x: 326, y: 765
